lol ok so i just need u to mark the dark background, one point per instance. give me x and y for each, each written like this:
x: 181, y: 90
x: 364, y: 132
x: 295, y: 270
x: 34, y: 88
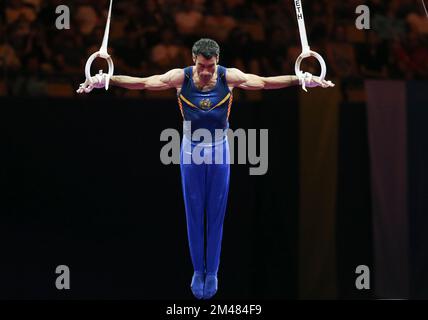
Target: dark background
x: 84, y: 187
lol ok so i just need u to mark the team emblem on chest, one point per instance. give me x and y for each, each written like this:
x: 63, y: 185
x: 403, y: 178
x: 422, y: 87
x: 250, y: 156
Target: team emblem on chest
x: 205, y: 104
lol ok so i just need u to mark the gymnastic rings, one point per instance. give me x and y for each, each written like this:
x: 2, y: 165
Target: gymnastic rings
x: 314, y: 54
x: 306, y: 51
x: 105, y: 56
x: 102, y: 53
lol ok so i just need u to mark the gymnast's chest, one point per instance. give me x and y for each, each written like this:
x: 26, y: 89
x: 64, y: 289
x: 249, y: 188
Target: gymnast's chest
x: 198, y: 101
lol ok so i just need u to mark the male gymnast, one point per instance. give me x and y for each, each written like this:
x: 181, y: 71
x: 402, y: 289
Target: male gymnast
x: 204, y: 93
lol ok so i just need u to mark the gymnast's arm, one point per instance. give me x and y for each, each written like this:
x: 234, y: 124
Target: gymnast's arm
x: 247, y: 81
x: 171, y: 79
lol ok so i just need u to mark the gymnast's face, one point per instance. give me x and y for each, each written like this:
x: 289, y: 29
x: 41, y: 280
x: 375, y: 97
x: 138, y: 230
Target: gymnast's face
x: 205, y: 68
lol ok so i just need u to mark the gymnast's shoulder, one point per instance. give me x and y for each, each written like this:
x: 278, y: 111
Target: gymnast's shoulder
x: 235, y: 76
x: 173, y: 77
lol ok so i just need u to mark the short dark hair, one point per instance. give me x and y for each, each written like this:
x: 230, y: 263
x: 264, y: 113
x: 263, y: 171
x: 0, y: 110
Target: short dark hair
x: 206, y: 47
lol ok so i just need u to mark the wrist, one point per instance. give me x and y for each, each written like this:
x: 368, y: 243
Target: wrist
x: 295, y: 80
x: 113, y: 80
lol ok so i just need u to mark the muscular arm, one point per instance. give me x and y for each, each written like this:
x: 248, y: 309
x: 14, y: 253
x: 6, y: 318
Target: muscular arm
x: 247, y: 81
x: 171, y: 79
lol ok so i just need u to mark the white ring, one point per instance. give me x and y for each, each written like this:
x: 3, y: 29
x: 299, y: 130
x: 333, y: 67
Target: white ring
x: 311, y: 53
x: 91, y: 59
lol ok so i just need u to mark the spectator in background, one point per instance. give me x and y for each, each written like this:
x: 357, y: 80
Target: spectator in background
x: 36, y: 4
x: 244, y: 10
x: 35, y: 84
x: 394, y: 55
x: 418, y: 22
x: 389, y: 26
x: 373, y: 57
x: 241, y: 50
x: 70, y: 53
x: 277, y: 17
x: 188, y: 19
x: 37, y: 46
x: 152, y: 22
x: 342, y: 62
x: 408, y: 6
x: 86, y: 19
x: 17, y: 8
x: 47, y: 15
x: 18, y: 33
x: 274, y: 56
x: 236, y: 8
x: 8, y: 58
x: 218, y: 24
x: 169, y: 7
x: 317, y: 29
x: 341, y: 55
x: 131, y: 50
x: 378, y: 6
x: 168, y: 53
x: 30, y: 82
x: 412, y: 57
x: 130, y: 11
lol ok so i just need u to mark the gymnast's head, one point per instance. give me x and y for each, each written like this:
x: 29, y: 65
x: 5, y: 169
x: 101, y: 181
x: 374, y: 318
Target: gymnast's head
x: 205, y: 53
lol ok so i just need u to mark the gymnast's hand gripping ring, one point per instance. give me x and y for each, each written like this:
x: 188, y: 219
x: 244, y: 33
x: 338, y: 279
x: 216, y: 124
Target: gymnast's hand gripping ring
x: 314, y: 54
x: 102, y: 53
x: 306, y: 51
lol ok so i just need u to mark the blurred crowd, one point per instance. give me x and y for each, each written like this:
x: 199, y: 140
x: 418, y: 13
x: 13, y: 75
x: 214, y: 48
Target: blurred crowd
x: 152, y: 36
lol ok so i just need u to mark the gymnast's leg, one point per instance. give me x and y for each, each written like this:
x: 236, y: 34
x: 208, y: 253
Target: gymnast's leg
x: 217, y: 188
x: 193, y: 181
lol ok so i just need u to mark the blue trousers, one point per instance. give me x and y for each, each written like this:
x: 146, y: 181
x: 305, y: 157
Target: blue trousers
x: 205, y: 191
